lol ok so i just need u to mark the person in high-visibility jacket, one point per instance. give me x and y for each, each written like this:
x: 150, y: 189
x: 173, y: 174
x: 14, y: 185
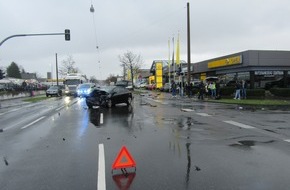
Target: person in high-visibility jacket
x: 213, y: 89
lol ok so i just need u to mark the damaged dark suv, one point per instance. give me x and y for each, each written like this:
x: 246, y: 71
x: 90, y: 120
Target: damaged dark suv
x: 109, y: 96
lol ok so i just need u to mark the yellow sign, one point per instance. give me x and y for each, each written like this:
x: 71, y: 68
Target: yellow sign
x: 151, y: 79
x: 158, y: 74
x: 202, y: 76
x: 225, y: 62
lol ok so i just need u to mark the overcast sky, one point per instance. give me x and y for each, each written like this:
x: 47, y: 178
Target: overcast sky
x: 218, y: 27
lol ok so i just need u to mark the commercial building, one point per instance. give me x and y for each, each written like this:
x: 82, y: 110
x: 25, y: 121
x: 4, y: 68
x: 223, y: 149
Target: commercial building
x: 255, y: 66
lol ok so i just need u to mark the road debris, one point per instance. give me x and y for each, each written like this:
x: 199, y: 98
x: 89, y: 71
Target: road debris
x: 5, y: 160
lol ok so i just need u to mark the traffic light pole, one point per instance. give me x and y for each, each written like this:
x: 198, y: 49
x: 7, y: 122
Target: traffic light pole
x: 24, y: 35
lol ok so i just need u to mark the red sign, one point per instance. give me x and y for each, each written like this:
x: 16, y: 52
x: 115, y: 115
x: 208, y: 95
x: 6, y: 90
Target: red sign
x: 123, y: 160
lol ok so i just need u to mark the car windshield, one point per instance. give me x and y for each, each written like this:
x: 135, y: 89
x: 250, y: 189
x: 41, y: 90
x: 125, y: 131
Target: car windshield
x: 72, y: 81
x: 123, y: 83
x: 53, y: 87
x: 85, y: 86
x: 107, y: 88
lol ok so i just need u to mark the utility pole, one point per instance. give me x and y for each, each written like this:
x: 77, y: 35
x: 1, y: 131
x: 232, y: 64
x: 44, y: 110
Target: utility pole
x: 188, y: 45
x: 56, y: 70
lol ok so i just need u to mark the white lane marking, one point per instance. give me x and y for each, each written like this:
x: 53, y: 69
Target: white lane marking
x: 187, y: 110
x: 57, y: 109
x: 101, y: 169
x: 287, y: 140
x: 101, y: 118
x: 33, y: 122
x: 10, y: 111
x: 203, y: 114
x: 239, y: 124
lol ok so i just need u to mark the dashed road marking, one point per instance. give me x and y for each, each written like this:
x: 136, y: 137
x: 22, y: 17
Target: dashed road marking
x: 240, y: 124
x: 203, y: 114
x: 57, y: 109
x: 101, y: 118
x: 287, y: 140
x: 101, y: 169
x: 33, y: 122
x: 10, y: 111
x: 187, y: 110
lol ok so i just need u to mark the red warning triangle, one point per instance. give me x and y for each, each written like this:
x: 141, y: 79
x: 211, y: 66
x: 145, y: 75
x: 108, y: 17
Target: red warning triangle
x: 123, y: 160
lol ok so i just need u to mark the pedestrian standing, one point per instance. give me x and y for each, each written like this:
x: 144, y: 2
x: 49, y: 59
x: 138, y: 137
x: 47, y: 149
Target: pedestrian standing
x: 173, y: 87
x: 218, y: 90
x: 238, y: 90
x: 244, y: 89
x: 201, y: 90
x: 190, y: 89
x: 213, y: 90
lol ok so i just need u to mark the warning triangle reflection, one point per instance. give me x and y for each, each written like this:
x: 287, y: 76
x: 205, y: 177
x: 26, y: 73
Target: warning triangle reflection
x: 124, y: 181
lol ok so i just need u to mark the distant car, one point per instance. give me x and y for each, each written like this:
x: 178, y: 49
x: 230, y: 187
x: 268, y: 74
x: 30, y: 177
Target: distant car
x: 211, y: 79
x: 85, y: 89
x: 277, y: 83
x: 2, y: 87
x: 109, y: 96
x: 54, y: 91
x: 151, y: 87
x: 125, y: 83
x: 140, y: 85
x: 166, y: 87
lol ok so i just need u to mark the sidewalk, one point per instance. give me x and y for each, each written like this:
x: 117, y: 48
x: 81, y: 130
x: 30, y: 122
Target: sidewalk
x: 16, y: 100
x: 12, y: 102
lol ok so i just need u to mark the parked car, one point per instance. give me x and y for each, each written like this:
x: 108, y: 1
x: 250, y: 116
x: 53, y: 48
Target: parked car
x: 109, y: 96
x: 166, y: 87
x: 54, y: 91
x: 125, y: 83
x: 85, y: 89
x: 140, y: 85
x: 151, y: 87
x: 277, y: 83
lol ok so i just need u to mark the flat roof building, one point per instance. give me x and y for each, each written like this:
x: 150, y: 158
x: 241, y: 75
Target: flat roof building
x: 255, y: 66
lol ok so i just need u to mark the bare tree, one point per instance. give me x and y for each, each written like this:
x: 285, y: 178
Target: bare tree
x: 132, y: 62
x: 68, y: 66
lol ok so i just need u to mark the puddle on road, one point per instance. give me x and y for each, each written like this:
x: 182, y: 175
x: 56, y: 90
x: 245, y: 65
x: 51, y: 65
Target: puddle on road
x: 275, y: 121
x: 182, y: 122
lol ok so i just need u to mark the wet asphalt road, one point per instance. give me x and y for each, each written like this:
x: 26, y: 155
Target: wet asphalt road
x: 176, y: 143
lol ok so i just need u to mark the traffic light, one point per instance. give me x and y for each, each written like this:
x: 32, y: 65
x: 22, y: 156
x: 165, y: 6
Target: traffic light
x: 2, y: 74
x: 67, y: 34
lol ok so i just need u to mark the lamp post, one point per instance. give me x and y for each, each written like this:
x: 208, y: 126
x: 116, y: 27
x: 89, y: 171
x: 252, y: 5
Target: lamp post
x: 188, y: 45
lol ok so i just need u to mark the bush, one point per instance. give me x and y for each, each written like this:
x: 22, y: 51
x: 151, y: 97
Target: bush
x: 227, y: 91
x: 282, y: 92
x: 230, y: 91
x: 256, y: 93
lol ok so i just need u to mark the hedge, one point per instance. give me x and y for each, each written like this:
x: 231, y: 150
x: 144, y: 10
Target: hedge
x: 230, y: 91
x: 282, y: 92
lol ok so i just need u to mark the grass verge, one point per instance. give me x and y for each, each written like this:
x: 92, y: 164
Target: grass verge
x: 253, y: 102
x: 36, y: 99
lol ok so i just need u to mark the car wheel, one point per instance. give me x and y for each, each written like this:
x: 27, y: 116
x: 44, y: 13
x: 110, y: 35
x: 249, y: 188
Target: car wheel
x: 129, y: 101
x: 109, y: 104
x: 46, y: 95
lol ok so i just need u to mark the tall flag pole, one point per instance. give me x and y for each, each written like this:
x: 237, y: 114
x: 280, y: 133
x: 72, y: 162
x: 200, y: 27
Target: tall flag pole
x: 169, y: 60
x: 177, y: 52
x: 173, y: 63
